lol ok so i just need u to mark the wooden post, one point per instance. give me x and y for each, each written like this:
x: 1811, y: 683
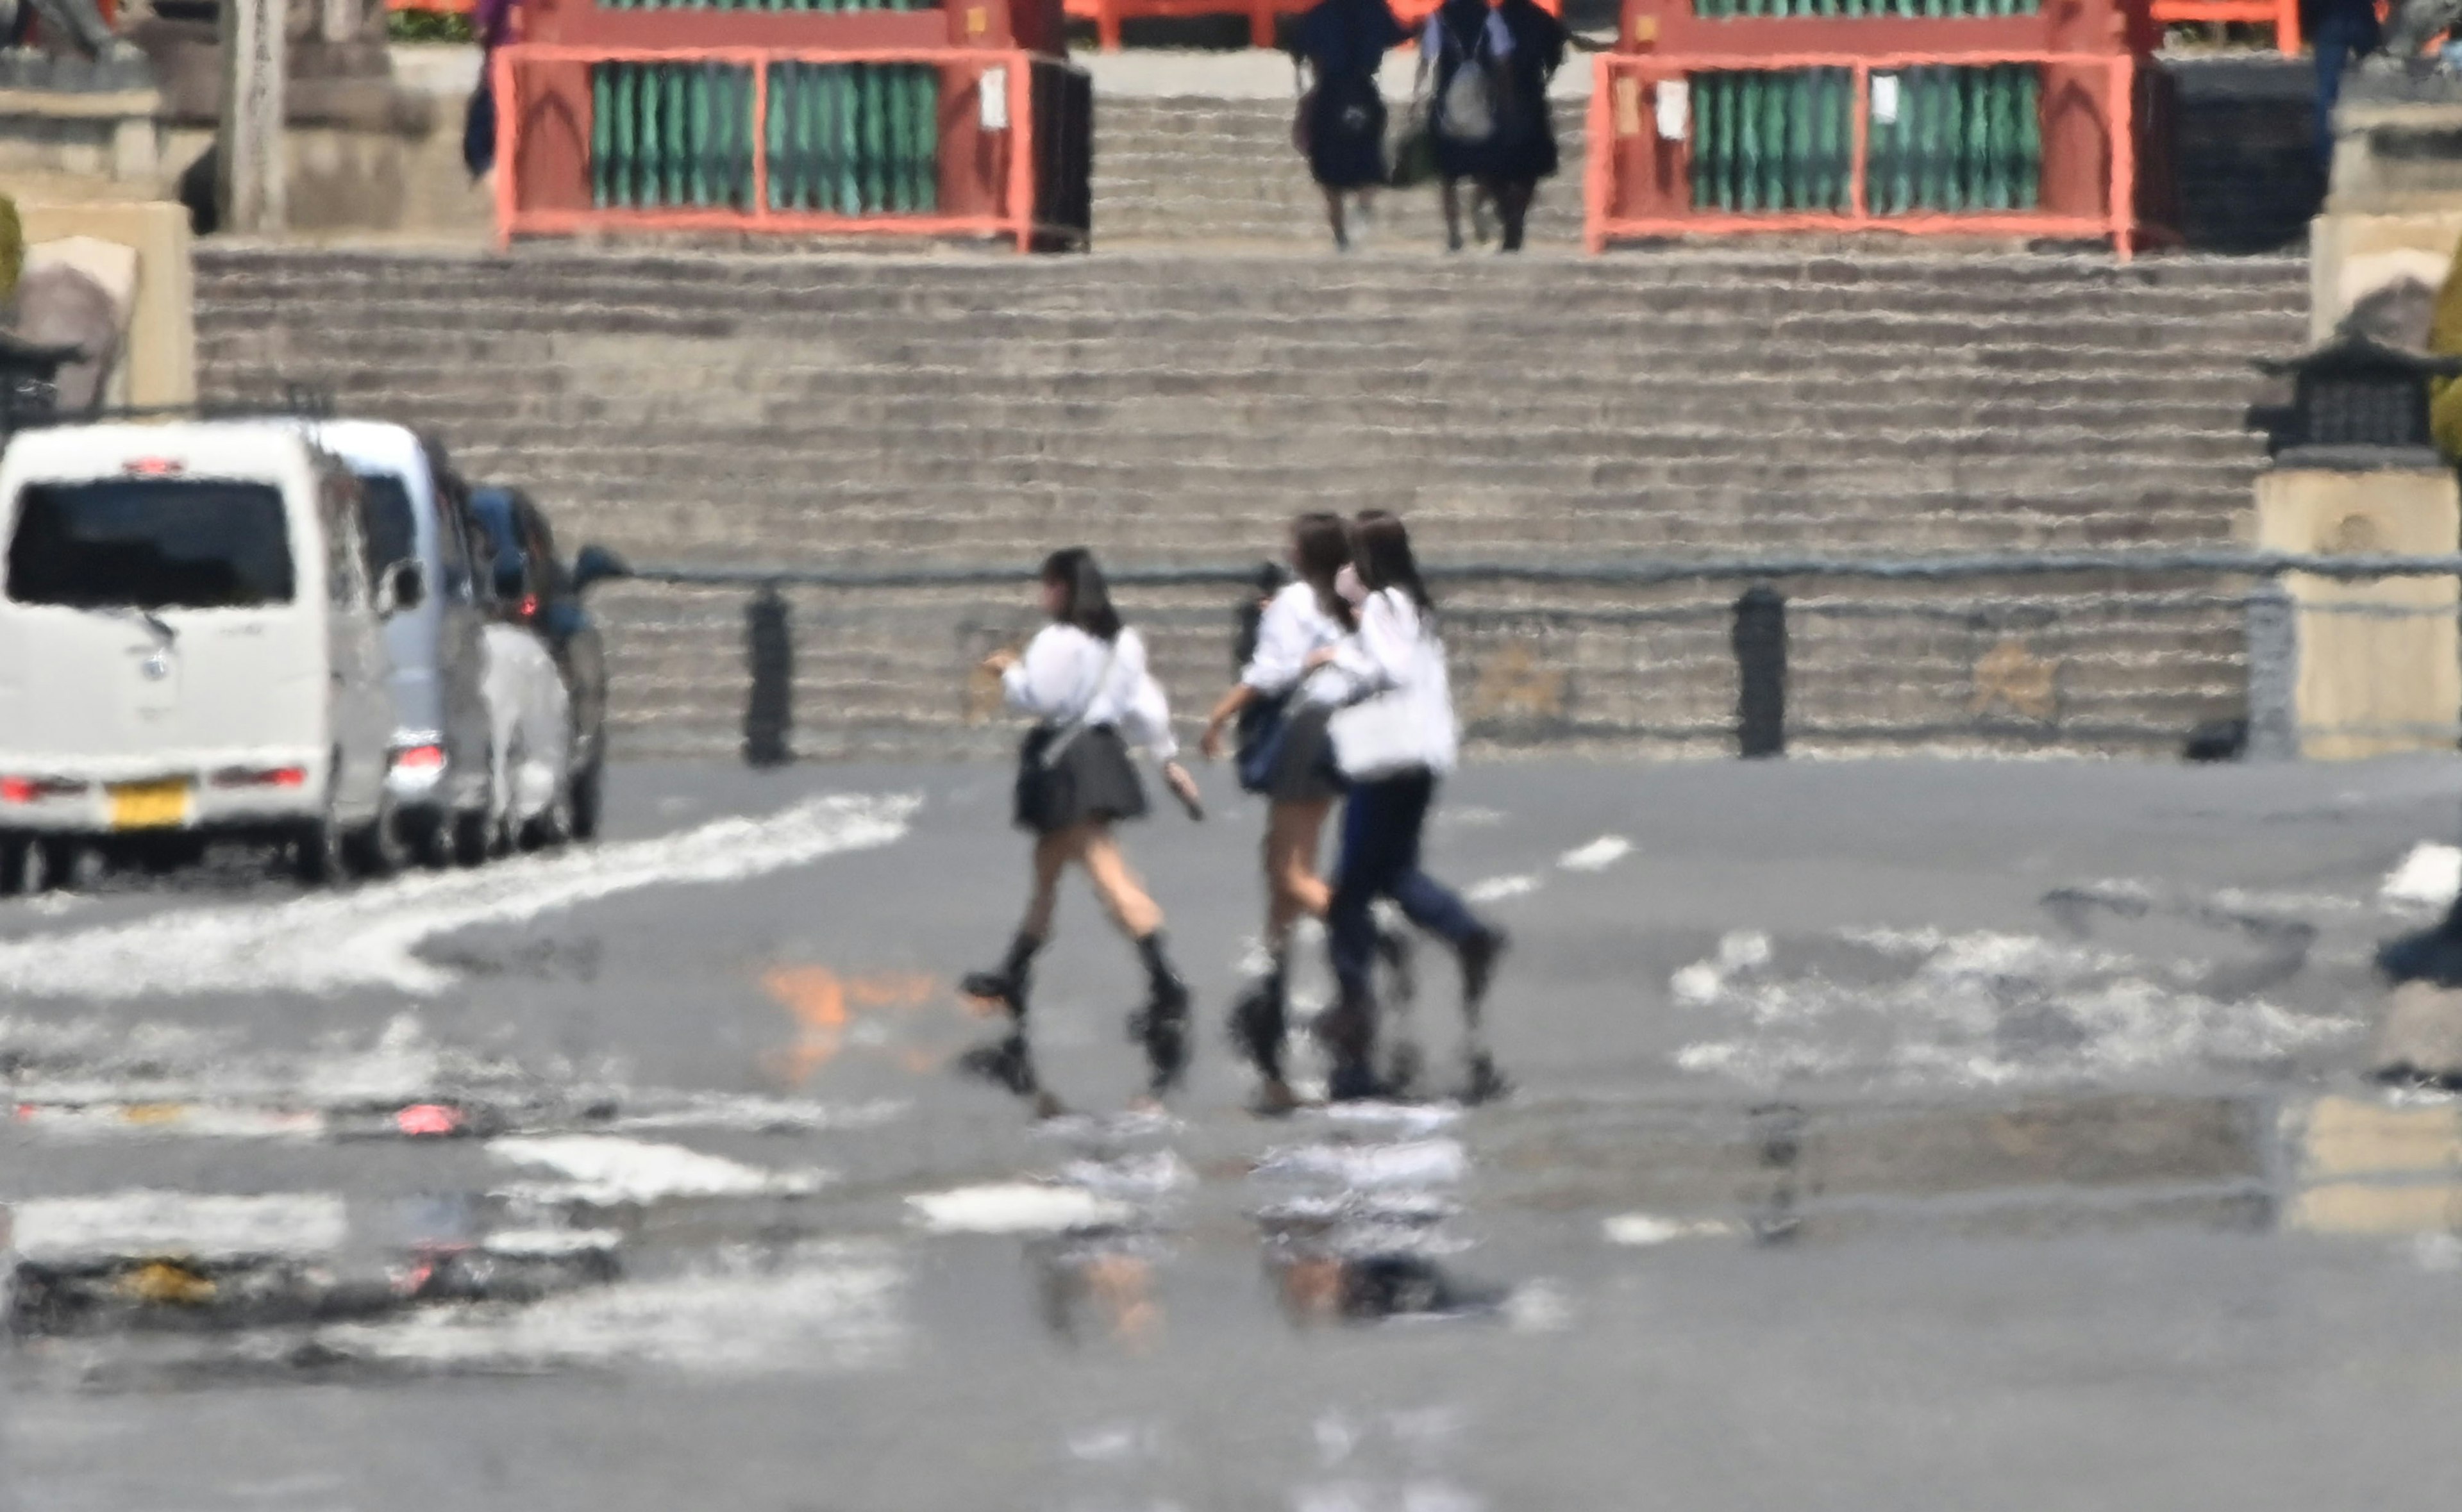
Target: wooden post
x: 249, y: 157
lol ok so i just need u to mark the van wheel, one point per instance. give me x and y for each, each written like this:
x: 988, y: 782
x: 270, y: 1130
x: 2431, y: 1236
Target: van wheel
x: 87, y: 868
x: 431, y: 838
x: 316, y: 854
x: 472, y: 836
x: 25, y: 866
x: 381, y: 848
x: 589, y: 796
x: 553, y: 827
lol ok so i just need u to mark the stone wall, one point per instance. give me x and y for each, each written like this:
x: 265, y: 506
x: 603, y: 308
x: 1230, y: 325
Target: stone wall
x: 868, y: 412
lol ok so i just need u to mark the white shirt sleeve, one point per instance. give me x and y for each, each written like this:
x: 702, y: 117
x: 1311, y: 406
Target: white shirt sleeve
x: 1047, y: 680
x: 1285, y: 638
x: 1147, y: 721
x: 1385, y: 651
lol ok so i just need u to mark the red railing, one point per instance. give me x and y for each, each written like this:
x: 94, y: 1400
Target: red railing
x: 1021, y: 178
x: 2283, y: 16
x: 1637, y: 184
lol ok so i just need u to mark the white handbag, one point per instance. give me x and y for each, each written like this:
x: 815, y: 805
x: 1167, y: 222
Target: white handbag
x: 1409, y: 728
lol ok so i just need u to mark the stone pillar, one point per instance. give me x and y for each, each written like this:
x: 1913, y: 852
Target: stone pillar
x: 2379, y: 662
x: 250, y: 150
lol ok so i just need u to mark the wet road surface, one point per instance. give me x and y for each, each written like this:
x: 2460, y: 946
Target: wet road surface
x: 1884, y: 1133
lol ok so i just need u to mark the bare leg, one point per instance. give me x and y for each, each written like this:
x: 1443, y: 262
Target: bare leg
x: 1053, y: 854
x: 1293, y: 887
x: 1124, y: 897
x: 1450, y: 194
x: 1334, y: 218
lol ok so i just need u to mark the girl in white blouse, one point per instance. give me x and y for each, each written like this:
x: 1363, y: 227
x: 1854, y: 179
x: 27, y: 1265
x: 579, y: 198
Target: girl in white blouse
x: 1283, y: 708
x: 1082, y: 678
x: 1394, y: 655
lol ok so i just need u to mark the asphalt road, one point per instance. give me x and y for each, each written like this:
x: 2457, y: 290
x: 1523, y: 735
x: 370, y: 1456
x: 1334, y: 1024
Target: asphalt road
x: 1886, y: 1133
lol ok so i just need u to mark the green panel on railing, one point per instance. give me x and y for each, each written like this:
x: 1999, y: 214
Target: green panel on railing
x: 1942, y: 140
x: 1959, y: 140
x: 1769, y: 141
x: 854, y: 138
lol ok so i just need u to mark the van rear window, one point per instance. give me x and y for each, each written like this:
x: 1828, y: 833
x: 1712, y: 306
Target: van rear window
x: 393, y: 535
x: 151, y: 543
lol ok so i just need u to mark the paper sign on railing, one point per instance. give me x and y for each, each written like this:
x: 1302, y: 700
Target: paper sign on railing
x: 1885, y: 100
x: 992, y: 90
x: 1674, y: 108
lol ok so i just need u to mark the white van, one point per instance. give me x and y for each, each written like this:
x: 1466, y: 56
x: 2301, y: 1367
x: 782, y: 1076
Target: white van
x: 416, y: 515
x: 189, y: 643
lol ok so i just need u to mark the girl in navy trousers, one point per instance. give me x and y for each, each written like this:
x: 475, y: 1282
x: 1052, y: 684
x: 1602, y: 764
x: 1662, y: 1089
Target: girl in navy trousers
x: 1392, y: 668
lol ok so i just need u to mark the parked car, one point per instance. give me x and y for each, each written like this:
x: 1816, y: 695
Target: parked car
x: 190, y: 643
x: 542, y: 593
x: 441, y: 768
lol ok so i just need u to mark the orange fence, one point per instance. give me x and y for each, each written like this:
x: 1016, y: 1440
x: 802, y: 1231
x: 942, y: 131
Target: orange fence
x: 905, y: 141
x: 440, y: 7
x: 1639, y: 177
x: 2283, y: 16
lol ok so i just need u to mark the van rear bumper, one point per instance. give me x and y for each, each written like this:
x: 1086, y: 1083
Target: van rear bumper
x: 254, y: 789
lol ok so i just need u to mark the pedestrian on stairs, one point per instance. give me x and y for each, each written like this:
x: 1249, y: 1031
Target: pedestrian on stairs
x: 1081, y: 679
x: 1525, y: 150
x: 1282, y: 709
x: 1395, y: 739
x: 1340, y: 124
x: 1464, y: 84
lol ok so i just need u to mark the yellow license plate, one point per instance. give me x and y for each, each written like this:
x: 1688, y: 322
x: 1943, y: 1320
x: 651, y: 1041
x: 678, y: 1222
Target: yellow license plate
x: 148, y: 805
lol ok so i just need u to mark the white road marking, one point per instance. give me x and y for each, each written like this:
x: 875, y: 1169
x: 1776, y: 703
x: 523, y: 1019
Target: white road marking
x: 604, y: 1170
x: 1981, y: 1009
x: 2430, y: 877
x: 1016, y: 1207
x: 816, y: 1307
x: 1642, y: 1230
x: 178, y: 1225
x: 369, y: 937
x: 1598, y: 856
x: 1497, y: 889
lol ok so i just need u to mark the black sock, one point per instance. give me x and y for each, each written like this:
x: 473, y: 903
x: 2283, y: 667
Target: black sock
x: 1020, y: 955
x: 1156, y: 956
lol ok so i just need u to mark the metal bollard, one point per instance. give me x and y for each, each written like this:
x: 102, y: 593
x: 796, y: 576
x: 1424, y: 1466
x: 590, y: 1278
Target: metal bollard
x: 2272, y: 673
x: 770, y: 709
x: 1761, y: 671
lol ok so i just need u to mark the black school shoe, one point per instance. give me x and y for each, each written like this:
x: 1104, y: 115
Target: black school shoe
x: 1161, y: 1027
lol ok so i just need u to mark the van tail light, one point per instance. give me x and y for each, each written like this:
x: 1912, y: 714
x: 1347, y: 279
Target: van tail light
x: 529, y: 606
x: 155, y: 466
x: 261, y: 777
x: 420, y: 758
x: 25, y: 789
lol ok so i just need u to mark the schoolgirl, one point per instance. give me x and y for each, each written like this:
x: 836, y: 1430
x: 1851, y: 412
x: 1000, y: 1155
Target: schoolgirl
x: 1082, y: 678
x: 1282, y: 708
x: 1394, y: 737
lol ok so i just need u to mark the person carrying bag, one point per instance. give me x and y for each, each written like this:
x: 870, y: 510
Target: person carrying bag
x: 1394, y: 738
x: 1083, y: 677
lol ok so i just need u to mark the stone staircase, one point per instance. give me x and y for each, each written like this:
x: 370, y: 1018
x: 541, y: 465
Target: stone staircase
x: 869, y: 411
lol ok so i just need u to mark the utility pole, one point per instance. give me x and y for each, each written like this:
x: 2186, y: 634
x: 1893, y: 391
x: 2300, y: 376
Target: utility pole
x: 249, y: 157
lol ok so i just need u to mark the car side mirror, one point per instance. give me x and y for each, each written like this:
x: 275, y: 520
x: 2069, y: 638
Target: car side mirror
x: 409, y: 586
x: 402, y: 588
x: 595, y: 564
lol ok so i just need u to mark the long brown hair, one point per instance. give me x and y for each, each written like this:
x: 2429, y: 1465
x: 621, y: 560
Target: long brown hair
x: 1321, y: 546
x: 1380, y: 548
